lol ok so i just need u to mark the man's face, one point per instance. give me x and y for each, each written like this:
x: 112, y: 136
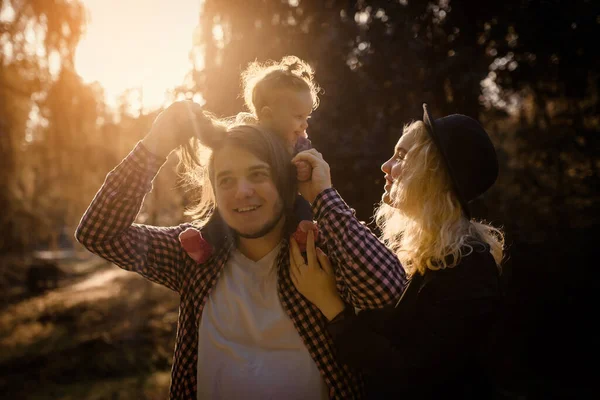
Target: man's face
x: 288, y: 117
x: 246, y: 195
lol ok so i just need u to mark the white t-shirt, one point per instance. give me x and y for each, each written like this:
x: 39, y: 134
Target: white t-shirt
x: 248, y: 347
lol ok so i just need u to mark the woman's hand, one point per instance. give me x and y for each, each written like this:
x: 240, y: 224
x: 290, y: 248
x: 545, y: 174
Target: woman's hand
x: 320, y: 178
x: 315, y: 278
x: 173, y: 127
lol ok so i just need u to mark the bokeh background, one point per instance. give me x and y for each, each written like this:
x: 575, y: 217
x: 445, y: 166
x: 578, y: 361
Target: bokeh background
x: 82, y: 81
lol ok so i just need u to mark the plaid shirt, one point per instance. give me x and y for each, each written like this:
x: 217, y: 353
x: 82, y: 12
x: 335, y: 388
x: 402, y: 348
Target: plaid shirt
x: 369, y: 275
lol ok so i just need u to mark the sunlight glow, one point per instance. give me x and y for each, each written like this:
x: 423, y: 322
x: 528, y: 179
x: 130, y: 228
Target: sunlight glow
x: 137, y: 44
x: 7, y: 14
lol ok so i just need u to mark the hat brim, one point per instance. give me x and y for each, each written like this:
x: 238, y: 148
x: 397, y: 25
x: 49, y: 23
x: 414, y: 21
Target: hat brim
x: 430, y: 124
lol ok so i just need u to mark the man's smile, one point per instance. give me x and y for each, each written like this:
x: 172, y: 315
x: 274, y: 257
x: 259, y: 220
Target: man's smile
x: 246, y: 209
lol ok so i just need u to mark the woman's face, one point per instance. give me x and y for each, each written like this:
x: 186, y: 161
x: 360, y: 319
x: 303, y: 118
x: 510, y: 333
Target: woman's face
x: 394, y: 166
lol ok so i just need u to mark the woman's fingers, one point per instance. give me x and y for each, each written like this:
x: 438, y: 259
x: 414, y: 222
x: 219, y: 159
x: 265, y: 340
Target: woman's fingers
x: 292, y: 262
x: 295, y: 276
x: 294, y: 270
x: 311, y: 253
x: 296, y: 254
x: 324, y: 261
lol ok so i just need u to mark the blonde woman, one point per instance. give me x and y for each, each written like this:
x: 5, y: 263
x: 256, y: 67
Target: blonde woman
x: 428, y: 344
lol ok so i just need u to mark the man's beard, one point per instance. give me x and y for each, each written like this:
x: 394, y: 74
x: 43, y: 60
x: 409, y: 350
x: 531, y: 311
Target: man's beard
x: 267, y: 227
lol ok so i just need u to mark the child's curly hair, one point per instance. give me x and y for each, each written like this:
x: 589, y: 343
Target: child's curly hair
x: 261, y: 81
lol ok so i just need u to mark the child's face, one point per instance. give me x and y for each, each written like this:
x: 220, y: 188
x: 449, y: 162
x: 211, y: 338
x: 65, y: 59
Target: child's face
x: 288, y: 117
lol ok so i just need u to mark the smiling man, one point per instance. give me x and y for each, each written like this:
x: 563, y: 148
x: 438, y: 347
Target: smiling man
x: 244, y: 331
x: 247, y: 196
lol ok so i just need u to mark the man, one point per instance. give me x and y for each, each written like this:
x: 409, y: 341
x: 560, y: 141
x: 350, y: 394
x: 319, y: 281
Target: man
x: 244, y: 331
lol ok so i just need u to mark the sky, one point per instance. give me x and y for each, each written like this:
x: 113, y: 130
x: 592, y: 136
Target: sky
x: 137, y: 43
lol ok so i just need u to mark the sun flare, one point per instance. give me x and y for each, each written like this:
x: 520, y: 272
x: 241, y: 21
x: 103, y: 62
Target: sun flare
x: 137, y: 44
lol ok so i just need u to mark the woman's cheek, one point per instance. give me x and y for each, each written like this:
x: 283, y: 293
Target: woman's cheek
x: 396, y: 171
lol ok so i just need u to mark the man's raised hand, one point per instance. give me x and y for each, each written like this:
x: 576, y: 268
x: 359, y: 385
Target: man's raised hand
x: 173, y: 127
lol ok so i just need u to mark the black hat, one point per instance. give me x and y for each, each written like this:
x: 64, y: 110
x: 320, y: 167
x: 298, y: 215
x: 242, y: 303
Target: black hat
x: 468, y: 152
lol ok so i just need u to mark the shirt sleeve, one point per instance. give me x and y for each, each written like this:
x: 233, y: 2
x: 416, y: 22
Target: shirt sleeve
x: 107, y: 227
x: 369, y: 275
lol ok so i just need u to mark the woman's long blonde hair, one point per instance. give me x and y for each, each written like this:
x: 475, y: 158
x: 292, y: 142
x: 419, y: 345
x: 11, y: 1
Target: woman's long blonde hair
x: 425, y: 225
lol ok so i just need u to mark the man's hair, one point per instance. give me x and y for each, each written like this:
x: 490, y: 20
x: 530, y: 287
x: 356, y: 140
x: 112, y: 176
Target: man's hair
x: 261, y: 82
x: 197, y: 163
x: 425, y: 225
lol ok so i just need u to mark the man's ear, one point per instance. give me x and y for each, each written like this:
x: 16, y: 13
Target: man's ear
x: 265, y: 113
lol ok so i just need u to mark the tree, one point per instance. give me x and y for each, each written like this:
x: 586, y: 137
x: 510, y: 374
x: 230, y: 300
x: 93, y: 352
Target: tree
x: 37, y: 37
x: 528, y: 69
x: 376, y: 60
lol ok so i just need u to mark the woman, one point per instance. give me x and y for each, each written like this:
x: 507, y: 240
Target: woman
x: 429, y: 344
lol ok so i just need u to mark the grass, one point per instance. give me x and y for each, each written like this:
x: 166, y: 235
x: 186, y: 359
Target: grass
x: 105, y: 334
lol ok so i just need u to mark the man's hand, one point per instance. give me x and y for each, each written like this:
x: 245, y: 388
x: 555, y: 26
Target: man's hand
x: 320, y: 178
x: 174, y: 126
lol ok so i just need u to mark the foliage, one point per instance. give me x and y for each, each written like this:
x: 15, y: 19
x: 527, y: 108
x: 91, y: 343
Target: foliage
x: 528, y: 69
x: 35, y: 38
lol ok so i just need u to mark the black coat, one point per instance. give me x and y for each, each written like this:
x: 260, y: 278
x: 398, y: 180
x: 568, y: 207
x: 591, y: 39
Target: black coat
x: 431, y: 344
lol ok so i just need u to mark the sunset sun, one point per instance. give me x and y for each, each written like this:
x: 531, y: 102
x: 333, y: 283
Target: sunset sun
x: 140, y: 45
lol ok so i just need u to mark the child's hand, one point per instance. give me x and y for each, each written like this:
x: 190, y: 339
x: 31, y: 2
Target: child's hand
x: 320, y: 175
x: 315, y: 278
x: 195, y: 245
x: 173, y: 127
x: 301, y: 233
x: 303, y: 168
x: 303, y: 171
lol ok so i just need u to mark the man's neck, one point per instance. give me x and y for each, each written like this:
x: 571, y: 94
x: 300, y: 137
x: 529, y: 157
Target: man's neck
x: 255, y: 249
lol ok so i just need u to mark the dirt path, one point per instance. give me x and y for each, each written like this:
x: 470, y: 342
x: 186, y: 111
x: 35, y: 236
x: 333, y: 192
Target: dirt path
x: 106, y: 334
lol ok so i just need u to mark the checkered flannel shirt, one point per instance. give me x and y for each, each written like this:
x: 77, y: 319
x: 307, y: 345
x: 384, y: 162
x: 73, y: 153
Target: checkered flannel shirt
x: 369, y: 275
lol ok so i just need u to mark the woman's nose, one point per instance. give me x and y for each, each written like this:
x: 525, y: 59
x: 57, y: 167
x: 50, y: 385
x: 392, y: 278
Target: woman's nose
x: 385, y: 167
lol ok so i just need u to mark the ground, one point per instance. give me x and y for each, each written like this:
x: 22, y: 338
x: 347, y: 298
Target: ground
x: 104, y: 333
